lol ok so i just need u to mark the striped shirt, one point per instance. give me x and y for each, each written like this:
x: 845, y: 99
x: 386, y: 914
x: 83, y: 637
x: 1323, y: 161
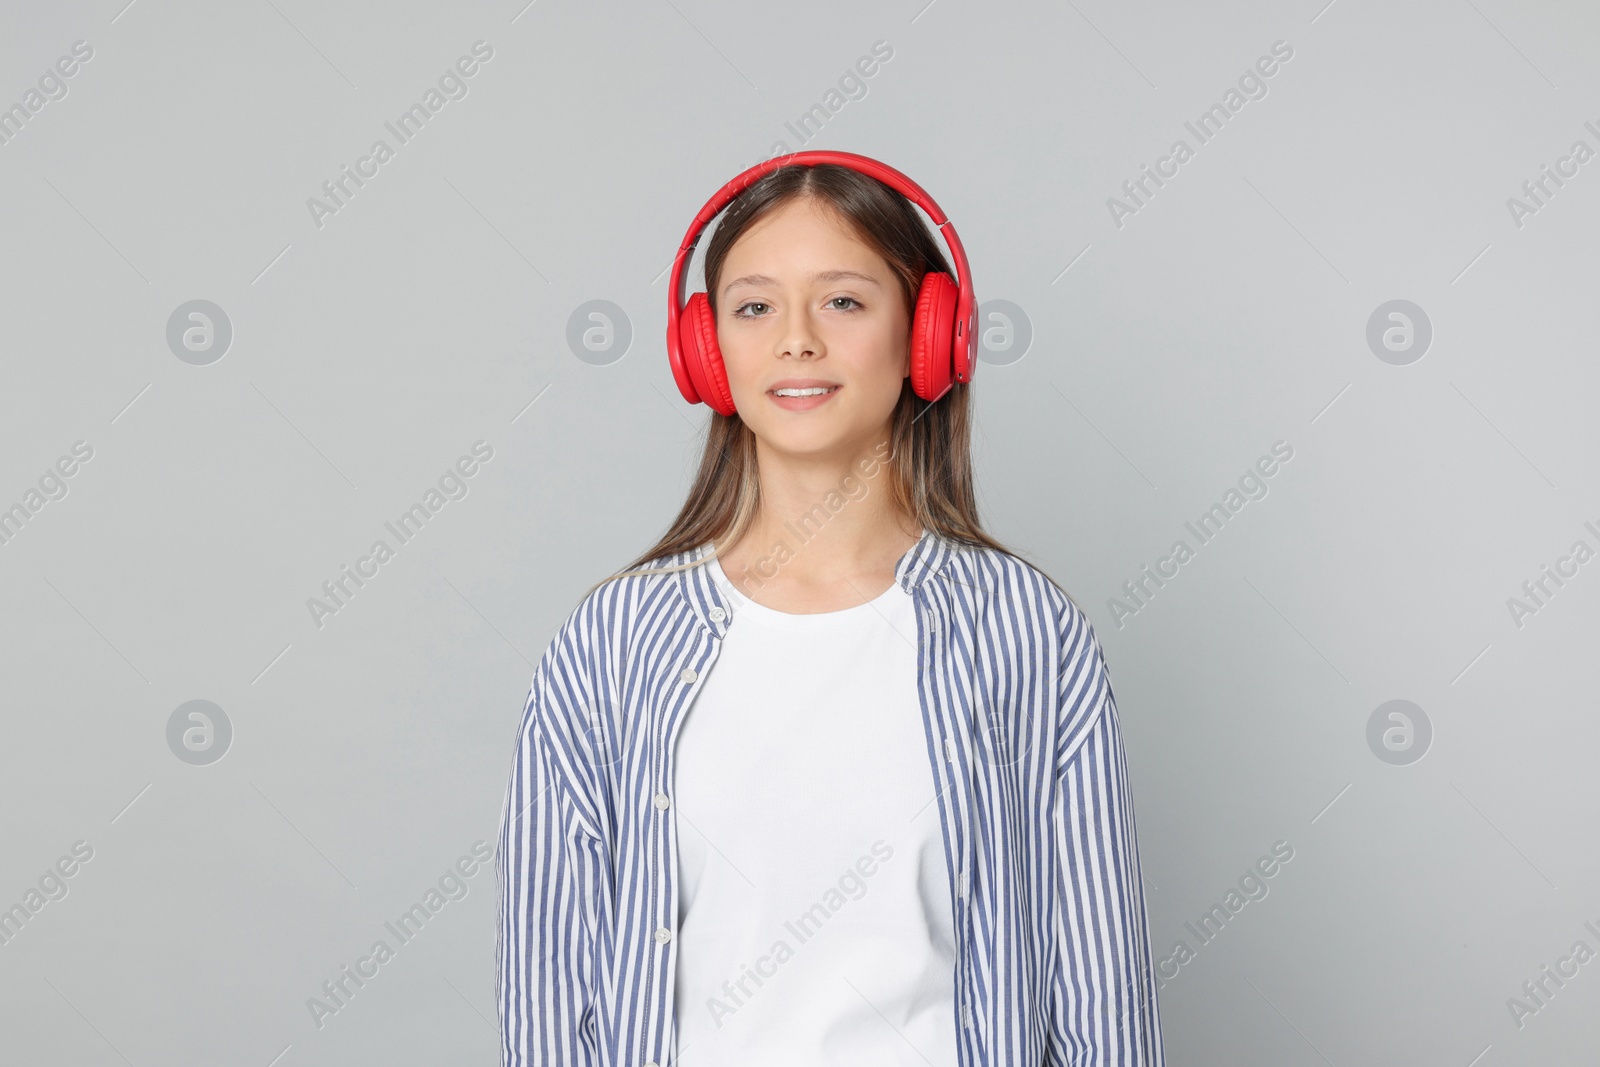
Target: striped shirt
x: 1053, y: 964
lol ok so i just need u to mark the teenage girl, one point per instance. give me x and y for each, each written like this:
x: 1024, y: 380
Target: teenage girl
x: 827, y: 776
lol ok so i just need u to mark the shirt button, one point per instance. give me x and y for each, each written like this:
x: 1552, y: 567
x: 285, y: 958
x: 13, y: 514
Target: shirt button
x: 662, y: 803
x: 688, y: 675
x: 717, y: 614
x: 663, y: 935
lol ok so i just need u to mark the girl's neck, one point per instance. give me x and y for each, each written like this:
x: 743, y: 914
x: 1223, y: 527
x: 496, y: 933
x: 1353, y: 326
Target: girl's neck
x: 808, y: 560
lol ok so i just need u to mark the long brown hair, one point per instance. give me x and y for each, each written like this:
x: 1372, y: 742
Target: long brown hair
x: 930, y: 462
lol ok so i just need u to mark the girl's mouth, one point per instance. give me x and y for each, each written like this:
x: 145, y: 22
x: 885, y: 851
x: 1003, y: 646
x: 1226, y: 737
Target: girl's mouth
x: 802, y: 399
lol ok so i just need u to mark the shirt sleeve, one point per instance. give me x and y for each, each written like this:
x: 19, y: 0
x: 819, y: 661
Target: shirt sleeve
x: 548, y: 869
x: 1103, y: 1010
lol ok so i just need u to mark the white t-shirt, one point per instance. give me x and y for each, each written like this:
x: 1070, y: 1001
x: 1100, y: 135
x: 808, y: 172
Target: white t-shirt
x: 814, y: 905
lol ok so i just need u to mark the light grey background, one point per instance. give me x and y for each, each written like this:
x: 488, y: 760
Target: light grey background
x: 1167, y: 355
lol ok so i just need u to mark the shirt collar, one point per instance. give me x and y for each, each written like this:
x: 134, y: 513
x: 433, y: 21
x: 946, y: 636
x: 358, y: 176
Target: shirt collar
x: 714, y: 606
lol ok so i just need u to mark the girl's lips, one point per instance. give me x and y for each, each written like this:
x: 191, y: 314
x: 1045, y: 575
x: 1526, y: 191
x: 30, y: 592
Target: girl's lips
x: 804, y: 403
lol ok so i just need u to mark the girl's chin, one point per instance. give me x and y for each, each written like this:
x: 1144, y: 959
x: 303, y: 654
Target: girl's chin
x: 807, y: 442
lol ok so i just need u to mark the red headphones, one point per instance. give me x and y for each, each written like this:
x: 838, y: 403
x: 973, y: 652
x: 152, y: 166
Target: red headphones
x: 943, y: 343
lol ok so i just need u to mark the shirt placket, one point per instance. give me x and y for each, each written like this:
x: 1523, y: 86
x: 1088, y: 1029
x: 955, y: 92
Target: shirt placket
x: 953, y: 800
x: 664, y: 731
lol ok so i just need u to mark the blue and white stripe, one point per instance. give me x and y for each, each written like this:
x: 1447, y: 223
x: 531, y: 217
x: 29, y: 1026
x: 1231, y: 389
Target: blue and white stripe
x: 1054, y: 964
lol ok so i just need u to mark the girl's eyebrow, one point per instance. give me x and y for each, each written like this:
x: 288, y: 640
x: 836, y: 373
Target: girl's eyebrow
x: 820, y: 276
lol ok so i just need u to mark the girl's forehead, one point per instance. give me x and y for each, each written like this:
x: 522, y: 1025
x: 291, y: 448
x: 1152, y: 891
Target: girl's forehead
x: 796, y: 239
x: 804, y: 215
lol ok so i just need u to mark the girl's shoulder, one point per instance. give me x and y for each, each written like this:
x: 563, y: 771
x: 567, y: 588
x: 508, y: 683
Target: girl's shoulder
x: 623, y: 600
x: 995, y: 572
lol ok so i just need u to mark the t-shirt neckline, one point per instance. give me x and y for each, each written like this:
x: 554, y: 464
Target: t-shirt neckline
x: 744, y: 607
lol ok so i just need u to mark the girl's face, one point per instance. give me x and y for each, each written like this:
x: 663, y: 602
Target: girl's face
x: 804, y: 303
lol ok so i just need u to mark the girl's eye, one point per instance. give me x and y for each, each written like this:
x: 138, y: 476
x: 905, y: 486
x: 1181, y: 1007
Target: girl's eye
x: 743, y: 310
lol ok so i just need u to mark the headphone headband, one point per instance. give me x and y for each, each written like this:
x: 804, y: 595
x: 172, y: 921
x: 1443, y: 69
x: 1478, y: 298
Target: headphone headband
x: 963, y: 340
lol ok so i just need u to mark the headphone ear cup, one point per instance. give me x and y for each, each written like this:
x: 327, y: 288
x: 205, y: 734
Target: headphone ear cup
x: 697, y: 335
x: 933, y: 336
